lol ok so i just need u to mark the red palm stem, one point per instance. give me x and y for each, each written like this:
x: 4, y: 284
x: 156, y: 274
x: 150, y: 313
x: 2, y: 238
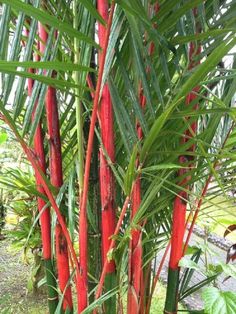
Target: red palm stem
x: 180, y: 202
x: 83, y: 229
x: 107, y: 134
x: 56, y: 176
x: 45, y: 218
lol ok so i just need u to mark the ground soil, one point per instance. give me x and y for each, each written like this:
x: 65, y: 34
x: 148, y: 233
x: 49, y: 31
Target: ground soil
x: 14, y: 275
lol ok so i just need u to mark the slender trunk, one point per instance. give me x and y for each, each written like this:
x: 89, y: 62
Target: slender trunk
x: 180, y: 202
x: 45, y: 225
x: 83, y: 229
x: 45, y: 218
x: 56, y: 176
x: 107, y: 189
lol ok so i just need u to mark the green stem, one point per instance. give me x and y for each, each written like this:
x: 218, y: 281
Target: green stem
x: 172, y: 291
x: 51, y: 284
x: 109, y: 284
x: 79, y: 110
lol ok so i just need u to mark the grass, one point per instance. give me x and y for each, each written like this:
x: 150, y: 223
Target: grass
x: 29, y: 306
x: 14, y: 275
x: 158, y: 301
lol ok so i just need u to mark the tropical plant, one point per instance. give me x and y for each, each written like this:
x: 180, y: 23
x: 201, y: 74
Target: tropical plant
x: 127, y: 117
x: 21, y: 213
x: 215, y: 299
x: 26, y: 212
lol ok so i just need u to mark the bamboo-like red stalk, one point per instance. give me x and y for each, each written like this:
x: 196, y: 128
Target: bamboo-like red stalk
x: 157, y: 276
x: 135, y: 259
x: 180, y: 202
x: 107, y: 189
x: 45, y: 218
x: 56, y: 177
x: 83, y: 229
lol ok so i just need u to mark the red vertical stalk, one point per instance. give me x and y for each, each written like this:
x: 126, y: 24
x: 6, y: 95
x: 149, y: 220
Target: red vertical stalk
x: 31, y: 157
x: 83, y: 229
x: 107, y: 135
x: 45, y: 218
x: 180, y: 202
x: 40, y: 155
x: 56, y: 176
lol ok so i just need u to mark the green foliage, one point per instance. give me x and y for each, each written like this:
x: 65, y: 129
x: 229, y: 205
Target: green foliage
x: 209, y: 271
x: 27, y: 213
x: 164, y: 79
x: 219, y: 302
x: 3, y: 137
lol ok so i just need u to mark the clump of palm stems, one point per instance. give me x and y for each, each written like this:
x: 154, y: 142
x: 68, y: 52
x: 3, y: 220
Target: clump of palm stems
x: 107, y: 187
x: 128, y: 115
